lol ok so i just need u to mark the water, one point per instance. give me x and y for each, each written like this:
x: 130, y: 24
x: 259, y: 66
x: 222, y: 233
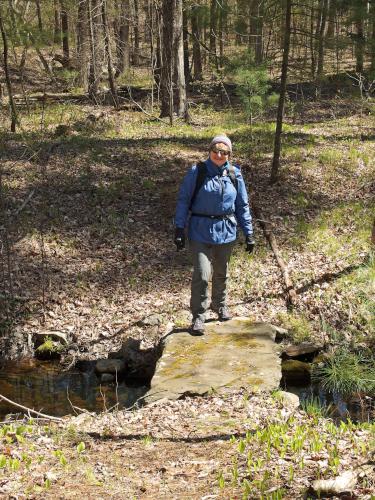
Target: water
x: 42, y: 386
x: 359, y: 408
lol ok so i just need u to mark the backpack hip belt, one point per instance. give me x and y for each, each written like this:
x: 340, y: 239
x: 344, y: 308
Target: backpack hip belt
x: 220, y: 217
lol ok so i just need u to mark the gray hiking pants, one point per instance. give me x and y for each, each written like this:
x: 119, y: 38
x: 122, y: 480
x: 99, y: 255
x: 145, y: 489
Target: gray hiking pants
x: 207, y: 258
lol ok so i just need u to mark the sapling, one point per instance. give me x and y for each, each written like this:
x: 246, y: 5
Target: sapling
x: 247, y: 488
x: 276, y: 495
x: 252, y: 87
x: 334, y: 463
x: 221, y: 481
x: 291, y: 473
x: 14, y: 464
x: 234, y: 473
x: 81, y: 447
x: 59, y: 454
x: 241, y: 446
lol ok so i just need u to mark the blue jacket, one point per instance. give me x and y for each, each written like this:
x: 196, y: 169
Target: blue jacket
x: 217, y: 196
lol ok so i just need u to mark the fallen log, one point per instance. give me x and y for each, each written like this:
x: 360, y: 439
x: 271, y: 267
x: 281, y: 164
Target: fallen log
x: 270, y: 237
x: 49, y: 96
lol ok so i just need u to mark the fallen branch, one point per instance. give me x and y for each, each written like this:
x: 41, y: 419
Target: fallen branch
x: 270, y: 237
x: 29, y: 410
x: 24, y: 203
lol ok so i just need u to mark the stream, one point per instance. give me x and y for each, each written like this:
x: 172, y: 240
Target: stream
x: 42, y: 386
x: 359, y: 408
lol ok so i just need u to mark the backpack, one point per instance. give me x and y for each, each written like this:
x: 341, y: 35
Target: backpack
x: 201, y: 177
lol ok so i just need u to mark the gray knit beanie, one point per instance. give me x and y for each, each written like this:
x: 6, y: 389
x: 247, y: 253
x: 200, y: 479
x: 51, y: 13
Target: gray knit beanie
x: 221, y: 139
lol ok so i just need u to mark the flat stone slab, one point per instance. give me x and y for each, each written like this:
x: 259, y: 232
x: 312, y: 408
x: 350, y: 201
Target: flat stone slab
x: 233, y: 354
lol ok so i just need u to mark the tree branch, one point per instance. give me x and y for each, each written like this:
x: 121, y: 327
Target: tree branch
x: 29, y: 410
x: 265, y: 225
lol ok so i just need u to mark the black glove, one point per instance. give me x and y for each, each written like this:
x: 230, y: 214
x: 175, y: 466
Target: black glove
x: 250, y: 243
x: 179, y: 238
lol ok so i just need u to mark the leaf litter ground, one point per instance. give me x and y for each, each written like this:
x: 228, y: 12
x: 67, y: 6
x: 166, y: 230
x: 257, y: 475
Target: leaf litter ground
x: 91, y: 254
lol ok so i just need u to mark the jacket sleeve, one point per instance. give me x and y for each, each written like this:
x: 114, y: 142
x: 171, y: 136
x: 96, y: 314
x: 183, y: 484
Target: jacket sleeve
x: 184, y: 197
x: 242, y: 209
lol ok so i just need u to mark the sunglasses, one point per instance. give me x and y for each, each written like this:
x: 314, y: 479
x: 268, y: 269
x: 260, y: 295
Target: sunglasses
x: 223, y: 152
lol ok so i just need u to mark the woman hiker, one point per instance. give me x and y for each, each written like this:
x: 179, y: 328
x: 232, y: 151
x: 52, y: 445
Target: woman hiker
x: 215, y: 193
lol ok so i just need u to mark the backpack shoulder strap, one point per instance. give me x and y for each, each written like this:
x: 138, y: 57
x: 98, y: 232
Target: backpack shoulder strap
x: 201, y: 176
x: 233, y: 178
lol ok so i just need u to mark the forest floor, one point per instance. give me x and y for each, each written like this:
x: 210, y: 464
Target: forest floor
x: 88, y: 223
x: 241, y: 445
x: 88, y: 196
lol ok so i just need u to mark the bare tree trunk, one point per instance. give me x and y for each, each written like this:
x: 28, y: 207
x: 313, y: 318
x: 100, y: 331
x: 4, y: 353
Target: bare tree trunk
x: 197, y: 57
x: 256, y: 28
x: 280, y: 109
x: 181, y: 100
x: 83, y: 43
x: 136, y: 33
x: 57, y: 22
x: 166, y: 75
x: 39, y: 15
x: 221, y: 30
x: 186, y: 47
x: 360, y: 35
x: 93, y: 83
x: 316, y: 36
x: 321, y: 40
x: 13, y: 111
x: 158, y: 50
x: 241, y: 10
x: 312, y: 43
x: 213, y: 34
x: 372, y: 41
x: 331, y: 19
x: 107, y: 46
x: 173, y: 89
x: 123, y: 46
x: 65, y: 31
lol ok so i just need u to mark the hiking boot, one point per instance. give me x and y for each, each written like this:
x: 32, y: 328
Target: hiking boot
x: 197, y: 327
x: 224, y: 314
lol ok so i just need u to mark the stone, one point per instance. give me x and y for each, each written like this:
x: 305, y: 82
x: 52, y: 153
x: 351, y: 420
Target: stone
x: 107, y: 378
x: 83, y: 420
x: 294, y: 351
x: 296, y: 372
x: 54, y: 335
x: 343, y: 483
x: 51, y: 476
x: 289, y: 399
x: 152, y: 320
x: 110, y: 365
x: 281, y: 333
x: 234, y: 354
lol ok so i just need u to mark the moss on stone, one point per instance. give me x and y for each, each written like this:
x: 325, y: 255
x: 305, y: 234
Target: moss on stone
x: 231, y: 354
x: 295, y: 366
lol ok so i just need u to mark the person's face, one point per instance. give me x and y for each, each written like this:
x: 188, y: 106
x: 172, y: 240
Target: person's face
x: 219, y: 154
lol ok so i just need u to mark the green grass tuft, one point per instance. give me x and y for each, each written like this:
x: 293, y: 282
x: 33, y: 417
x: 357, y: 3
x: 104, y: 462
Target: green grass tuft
x: 347, y: 372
